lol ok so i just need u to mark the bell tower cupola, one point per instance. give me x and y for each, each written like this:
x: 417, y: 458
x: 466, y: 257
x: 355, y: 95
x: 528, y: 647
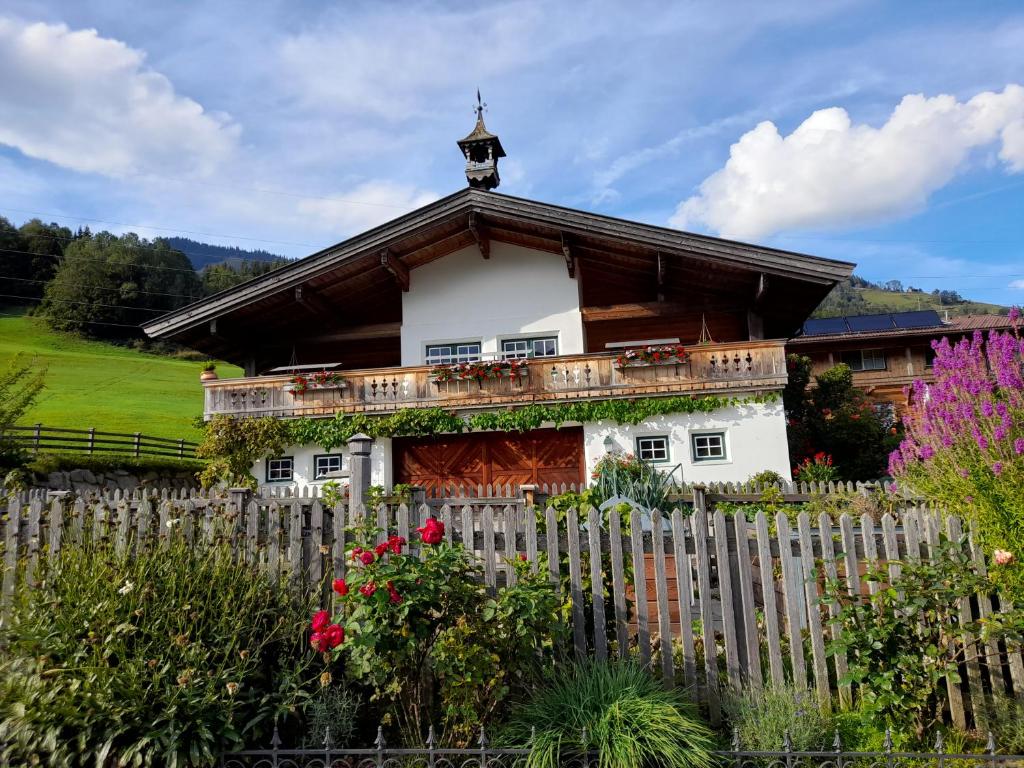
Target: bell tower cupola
x: 482, y: 150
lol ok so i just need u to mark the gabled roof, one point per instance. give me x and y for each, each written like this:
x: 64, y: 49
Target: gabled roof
x: 715, y: 266
x: 919, y: 328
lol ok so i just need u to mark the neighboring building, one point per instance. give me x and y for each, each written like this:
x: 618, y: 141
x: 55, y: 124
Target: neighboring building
x: 887, y: 351
x: 479, y: 276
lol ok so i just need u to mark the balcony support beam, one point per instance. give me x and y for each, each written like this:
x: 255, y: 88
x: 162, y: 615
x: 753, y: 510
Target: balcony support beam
x: 661, y: 277
x: 396, y: 268
x: 314, y: 303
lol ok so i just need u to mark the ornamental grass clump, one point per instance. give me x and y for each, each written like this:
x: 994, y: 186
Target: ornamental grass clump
x: 162, y: 658
x: 617, y: 710
x: 964, y: 445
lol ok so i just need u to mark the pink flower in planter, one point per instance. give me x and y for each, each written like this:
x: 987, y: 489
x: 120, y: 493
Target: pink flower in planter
x: 1002, y: 557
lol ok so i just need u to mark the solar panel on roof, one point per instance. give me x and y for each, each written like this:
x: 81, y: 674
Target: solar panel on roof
x: 821, y: 326
x: 924, y: 318
x: 862, y: 323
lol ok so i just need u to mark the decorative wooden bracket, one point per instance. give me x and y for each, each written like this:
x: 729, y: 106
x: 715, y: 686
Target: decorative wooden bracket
x: 314, y: 303
x: 396, y: 268
x: 661, y: 277
x: 761, y: 291
x: 477, y: 230
x: 570, y: 259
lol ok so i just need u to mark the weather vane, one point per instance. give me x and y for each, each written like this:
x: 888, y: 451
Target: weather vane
x: 480, y: 105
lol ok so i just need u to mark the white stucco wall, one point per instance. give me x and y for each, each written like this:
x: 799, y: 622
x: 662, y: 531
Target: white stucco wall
x: 518, y: 292
x: 380, y: 464
x: 755, y: 437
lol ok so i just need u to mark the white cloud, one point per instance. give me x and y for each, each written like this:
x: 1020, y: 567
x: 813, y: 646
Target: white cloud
x: 90, y: 104
x: 1017, y: 284
x: 364, y: 206
x: 831, y: 172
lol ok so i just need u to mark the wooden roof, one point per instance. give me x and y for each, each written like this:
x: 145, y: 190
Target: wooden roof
x: 359, y: 281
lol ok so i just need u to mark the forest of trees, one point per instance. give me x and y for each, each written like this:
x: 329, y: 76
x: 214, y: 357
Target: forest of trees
x: 105, y: 285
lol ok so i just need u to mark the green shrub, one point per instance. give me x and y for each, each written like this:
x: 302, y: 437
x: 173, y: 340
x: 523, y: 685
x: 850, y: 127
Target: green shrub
x: 164, y: 659
x: 630, y: 719
x: 762, y: 719
x: 1005, y: 718
x: 335, y: 710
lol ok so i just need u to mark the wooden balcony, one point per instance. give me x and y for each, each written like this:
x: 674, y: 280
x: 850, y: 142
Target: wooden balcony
x: 719, y: 369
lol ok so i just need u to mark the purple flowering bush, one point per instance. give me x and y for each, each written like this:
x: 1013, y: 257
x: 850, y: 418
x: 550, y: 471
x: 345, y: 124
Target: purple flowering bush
x: 964, y: 443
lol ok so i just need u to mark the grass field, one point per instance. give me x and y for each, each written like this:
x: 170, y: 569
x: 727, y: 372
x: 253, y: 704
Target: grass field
x: 92, y: 384
x: 888, y: 301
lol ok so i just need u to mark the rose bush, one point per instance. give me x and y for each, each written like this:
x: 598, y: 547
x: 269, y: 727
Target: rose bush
x: 429, y: 640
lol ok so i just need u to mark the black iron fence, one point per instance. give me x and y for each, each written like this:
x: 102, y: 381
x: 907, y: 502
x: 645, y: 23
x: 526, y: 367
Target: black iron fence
x: 328, y: 755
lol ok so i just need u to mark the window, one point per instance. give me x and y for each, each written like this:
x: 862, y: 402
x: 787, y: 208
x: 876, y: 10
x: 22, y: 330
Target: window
x: 280, y: 469
x: 512, y: 349
x: 929, y: 357
x: 329, y: 462
x: 886, y: 413
x: 708, y: 446
x: 446, y: 354
x: 865, y: 360
x: 650, y: 448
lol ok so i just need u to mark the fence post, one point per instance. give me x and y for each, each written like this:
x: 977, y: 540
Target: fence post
x: 529, y: 493
x: 359, y: 446
x: 138, y: 441
x: 38, y: 434
x: 240, y: 498
x: 181, y: 447
x: 92, y: 439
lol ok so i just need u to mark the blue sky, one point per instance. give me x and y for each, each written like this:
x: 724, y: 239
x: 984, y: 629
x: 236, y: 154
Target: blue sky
x: 890, y: 134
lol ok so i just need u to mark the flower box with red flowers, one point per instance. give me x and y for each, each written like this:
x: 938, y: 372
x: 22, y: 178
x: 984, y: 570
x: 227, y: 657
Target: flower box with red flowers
x: 301, y: 383
x: 671, y: 354
x: 479, y: 371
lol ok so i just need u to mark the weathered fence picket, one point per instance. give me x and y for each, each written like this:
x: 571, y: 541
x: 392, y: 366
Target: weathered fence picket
x: 687, y: 584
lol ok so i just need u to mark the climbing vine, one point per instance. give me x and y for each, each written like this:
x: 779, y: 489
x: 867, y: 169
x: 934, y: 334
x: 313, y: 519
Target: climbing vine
x: 246, y: 440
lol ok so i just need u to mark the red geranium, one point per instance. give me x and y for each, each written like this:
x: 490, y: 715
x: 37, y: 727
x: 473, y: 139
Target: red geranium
x: 340, y: 587
x: 320, y: 621
x: 431, y: 531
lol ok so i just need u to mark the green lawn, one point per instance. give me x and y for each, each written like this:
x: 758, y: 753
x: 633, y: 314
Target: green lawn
x: 92, y: 384
x: 888, y: 301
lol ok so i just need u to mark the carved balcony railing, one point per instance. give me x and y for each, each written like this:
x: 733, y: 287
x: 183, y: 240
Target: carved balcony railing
x: 720, y: 368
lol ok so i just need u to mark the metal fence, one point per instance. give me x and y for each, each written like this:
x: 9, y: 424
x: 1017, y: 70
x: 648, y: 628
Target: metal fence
x: 327, y: 755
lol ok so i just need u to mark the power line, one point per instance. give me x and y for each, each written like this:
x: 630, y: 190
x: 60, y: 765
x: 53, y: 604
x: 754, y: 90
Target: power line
x: 105, y: 288
x: 162, y: 229
x: 88, y: 322
x: 86, y: 303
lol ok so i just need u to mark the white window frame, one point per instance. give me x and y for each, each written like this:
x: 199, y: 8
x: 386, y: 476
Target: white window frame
x: 273, y: 470
x: 317, y: 475
x: 666, y: 448
x: 875, y: 356
x: 529, y: 347
x: 723, y: 437
x: 458, y: 352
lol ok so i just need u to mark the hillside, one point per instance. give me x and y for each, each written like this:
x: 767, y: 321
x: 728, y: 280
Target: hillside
x: 860, y: 297
x: 204, y: 254
x: 117, y: 389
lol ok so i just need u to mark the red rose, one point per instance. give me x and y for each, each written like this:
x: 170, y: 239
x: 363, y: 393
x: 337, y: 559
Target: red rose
x: 356, y: 552
x: 368, y: 589
x: 367, y: 558
x: 340, y: 587
x: 318, y: 641
x: 522, y: 556
x: 395, y: 544
x: 431, y: 531
x: 320, y: 621
x: 335, y: 636
x: 381, y: 548
x: 394, y: 597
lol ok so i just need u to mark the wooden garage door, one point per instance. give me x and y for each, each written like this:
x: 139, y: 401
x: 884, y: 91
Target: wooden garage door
x: 540, y: 456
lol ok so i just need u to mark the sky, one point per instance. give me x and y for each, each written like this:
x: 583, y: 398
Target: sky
x: 890, y: 134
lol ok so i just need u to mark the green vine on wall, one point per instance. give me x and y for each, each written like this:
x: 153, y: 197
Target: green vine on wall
x: 233, y: 444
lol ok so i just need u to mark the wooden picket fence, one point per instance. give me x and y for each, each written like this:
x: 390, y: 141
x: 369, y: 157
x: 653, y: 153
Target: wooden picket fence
x: 714, y: 602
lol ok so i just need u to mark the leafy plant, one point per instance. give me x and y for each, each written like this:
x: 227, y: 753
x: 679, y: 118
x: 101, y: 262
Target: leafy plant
x: 334, y: 709
x: 1005, y: 718
x: 616, y: 709
x: 902, y: 643
x: 20, y: 385
x: 165, y: 658
x: 762, y: 720
x: 767, y: 477
x: 210, y: 365
x: 816, y: 469
x: 232, y: 446
x: 625, y: 475
x: 430, y: 641
x: 965, y: 442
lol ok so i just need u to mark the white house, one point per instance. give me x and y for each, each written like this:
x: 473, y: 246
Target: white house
x: 481, y: 303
